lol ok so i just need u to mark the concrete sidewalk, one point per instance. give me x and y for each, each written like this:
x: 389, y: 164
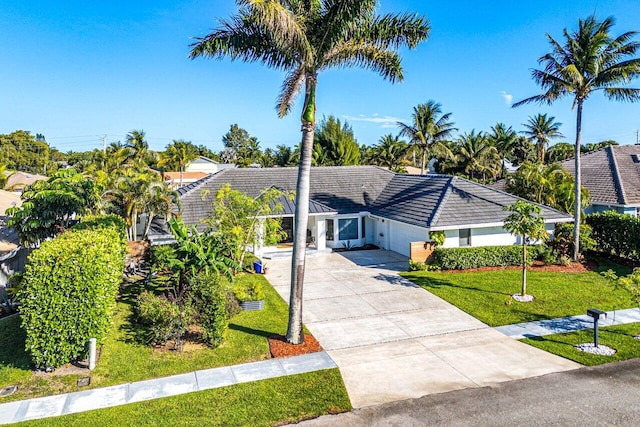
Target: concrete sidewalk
x: 393, y: 340
x: 567, y: 324
x: 98, y: 398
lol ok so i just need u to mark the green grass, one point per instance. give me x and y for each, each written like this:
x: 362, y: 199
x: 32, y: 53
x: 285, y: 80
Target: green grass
x: 487, y: 295
x: 263, y: 403
x: 619, y: 337
x: 123, y: 359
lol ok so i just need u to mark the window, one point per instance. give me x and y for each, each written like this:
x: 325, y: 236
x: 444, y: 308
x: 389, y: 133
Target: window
x: 329, y: 229
x: 348, y: 229
x: 464, y: 237
x: 364, y: 230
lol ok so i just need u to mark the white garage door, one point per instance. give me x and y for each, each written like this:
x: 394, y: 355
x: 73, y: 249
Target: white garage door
x: 403, y: 234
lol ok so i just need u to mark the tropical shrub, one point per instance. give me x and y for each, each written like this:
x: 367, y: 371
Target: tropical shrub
x: 162, y: 258
x: 248, y: 290
x: 485, y: 256
x: 209, y: 302
x: 163, y: 320
x: 68, y: 293
x: 438, y: 237
x: 616, y: 234
x: 562, y: 242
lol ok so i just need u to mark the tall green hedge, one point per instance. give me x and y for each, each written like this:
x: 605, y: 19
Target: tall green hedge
x: 484, y: 256
x: 616, y: 234
x: 68, y: 293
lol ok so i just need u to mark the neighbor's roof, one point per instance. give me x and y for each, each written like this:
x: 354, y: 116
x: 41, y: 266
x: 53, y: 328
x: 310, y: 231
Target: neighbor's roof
x: 8, y: 200
x: 345, y: 189
x: 185, y: 175
x: 19, y: 180
x: 442, y: 201
x: 612, y: 174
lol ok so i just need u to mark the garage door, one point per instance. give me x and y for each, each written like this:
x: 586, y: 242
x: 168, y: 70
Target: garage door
x: 403, y: 234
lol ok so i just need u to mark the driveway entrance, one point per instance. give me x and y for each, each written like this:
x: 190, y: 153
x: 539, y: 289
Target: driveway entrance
x: 394, y: 340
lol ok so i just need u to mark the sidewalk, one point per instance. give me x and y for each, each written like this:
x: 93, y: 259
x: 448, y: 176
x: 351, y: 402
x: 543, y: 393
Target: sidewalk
x: 98, y: 398
x: 567, y: 324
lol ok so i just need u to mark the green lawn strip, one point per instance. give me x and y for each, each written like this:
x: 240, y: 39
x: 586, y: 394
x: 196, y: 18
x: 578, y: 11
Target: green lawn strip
x: 123, y: 360
x: 262, y: 403
x: 620, y: 337
x: 487, y: 295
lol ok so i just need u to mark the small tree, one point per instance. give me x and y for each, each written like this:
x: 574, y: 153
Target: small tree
x: 236, y: 217
x: 525, y: 220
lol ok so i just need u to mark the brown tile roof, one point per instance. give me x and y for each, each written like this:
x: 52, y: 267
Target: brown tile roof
x: 19, y: 180
x: 185, y: 175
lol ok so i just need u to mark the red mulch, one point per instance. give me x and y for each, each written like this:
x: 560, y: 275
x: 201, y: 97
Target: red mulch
x: 279, y: 346
x: 574, y: 267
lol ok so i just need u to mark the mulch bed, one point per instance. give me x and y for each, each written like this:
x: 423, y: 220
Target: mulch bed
x: 574, y: 267
x: 279, y: 346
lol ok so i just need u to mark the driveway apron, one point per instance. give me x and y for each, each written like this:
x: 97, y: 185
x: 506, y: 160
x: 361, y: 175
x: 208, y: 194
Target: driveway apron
x: 393, y: 340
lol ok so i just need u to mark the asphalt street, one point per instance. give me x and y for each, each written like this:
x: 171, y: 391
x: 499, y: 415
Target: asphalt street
x: 592, y: 396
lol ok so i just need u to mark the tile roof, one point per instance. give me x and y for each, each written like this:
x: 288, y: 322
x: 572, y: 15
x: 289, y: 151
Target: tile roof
x: 346, y: 189
x: 440, y: 201
x: 185, y: 175
x: 612, y: 174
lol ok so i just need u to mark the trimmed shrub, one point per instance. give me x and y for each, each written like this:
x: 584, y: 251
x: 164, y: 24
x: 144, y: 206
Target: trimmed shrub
x: 101, y: 222
x: 209, y: 301
x: 485, y: 256
x: 163, y: 319
x: 616, y: 234
x: 68, y: 293
x: 421, y: 266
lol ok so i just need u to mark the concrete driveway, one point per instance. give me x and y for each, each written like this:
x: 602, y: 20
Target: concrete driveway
x: 393, y: 340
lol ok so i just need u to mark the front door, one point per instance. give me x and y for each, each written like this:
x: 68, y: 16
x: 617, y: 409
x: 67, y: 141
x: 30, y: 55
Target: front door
x: 287, y: 227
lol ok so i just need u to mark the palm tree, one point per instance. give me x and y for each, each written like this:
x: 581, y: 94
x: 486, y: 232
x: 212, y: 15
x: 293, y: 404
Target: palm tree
x: 526, y: 221
x: 304, y: 38
x: 590, y: 60
x: 429, y: 128
x: 159, y: 200
x: 560, y: 151
x: 476, y: 156
x: 541, y: 129
x: 178, y: 155
x: 390, y: 152
x: 504, y: 139
x: 138, y: 146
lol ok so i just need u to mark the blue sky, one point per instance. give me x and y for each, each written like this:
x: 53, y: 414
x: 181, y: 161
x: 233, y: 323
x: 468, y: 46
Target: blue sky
x: 77, y: 70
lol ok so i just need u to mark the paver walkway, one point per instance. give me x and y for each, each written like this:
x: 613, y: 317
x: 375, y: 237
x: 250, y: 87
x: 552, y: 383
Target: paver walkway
x: 562, y: 325
x: 393, y: 340
x: 140, y: 391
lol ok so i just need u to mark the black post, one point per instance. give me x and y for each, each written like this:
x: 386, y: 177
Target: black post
x: 595, y: 331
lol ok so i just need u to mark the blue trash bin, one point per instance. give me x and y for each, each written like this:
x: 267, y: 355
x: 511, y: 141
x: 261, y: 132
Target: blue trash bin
x: 257, y: 266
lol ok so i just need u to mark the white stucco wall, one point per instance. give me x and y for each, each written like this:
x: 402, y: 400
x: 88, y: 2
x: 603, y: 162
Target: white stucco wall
x: 401, y: 236
x: 487, y: 236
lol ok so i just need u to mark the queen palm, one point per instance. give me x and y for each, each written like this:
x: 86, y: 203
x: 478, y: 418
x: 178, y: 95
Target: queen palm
x: 390, y: 152
x: 541, y: 129
x: 504, y: 139
x: 304, y: 38
x: 476, y: 156
x: 428, y: 129
x: 590, y: 60
x: 138, y: 146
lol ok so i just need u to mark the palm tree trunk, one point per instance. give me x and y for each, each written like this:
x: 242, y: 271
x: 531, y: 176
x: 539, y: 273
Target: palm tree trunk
x: 523, y: 292
x: 424, y: 161
x: 578, y: 204
x: 181, y: 172
x: 148, y: 224
x: 294, y: 331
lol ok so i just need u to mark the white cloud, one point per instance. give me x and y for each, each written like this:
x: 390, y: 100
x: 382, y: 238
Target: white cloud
x: 508, y: 98
x: 385, y: 122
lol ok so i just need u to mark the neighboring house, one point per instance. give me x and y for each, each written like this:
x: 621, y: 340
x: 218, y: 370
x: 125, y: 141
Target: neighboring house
x: 196, y: 170
x: 612, y: 176
x: 359, y: 205
x: 9, y: 245
x: 18, y: 180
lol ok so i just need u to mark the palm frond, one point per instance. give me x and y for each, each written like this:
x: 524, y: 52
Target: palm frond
x: 622, y: 94
x: 358, y: 54
x: 290, y: 89
x: 392, y: 31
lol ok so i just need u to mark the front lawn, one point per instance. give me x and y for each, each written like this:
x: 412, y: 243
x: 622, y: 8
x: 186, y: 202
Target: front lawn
x: 263, y: 403
x: 620, y: 337
x: 123, y: 359
x: 487, y: 295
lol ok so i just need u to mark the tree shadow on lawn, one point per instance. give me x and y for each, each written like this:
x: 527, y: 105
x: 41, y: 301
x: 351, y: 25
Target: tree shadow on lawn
x: 433, y: 283
x: 251, y: 331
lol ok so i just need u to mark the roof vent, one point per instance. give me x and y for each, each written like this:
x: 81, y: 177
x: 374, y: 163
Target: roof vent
x: 635, y: 158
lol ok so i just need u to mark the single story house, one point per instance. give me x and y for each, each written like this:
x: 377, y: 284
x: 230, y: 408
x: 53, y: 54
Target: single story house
x: 612, y: 176
x: 359, y: 205
x: 197, y: 169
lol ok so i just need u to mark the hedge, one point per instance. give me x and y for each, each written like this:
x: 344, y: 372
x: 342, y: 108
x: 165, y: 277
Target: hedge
x: 616, y: 234
x: 484, y: 256
x: 100, y: 222
x: 68, y: 293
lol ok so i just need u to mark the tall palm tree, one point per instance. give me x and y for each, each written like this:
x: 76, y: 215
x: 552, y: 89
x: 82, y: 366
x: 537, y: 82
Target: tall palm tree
x: 159, y: 200
x: 304, y: 38
x: 476, y: 156
x: 178, y: 155
x: 542, y: 129
x: 390, y: 152
x: 504, y: 139
x: 590, y: 60
x: 428, y: 129
x: 138, y: 146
